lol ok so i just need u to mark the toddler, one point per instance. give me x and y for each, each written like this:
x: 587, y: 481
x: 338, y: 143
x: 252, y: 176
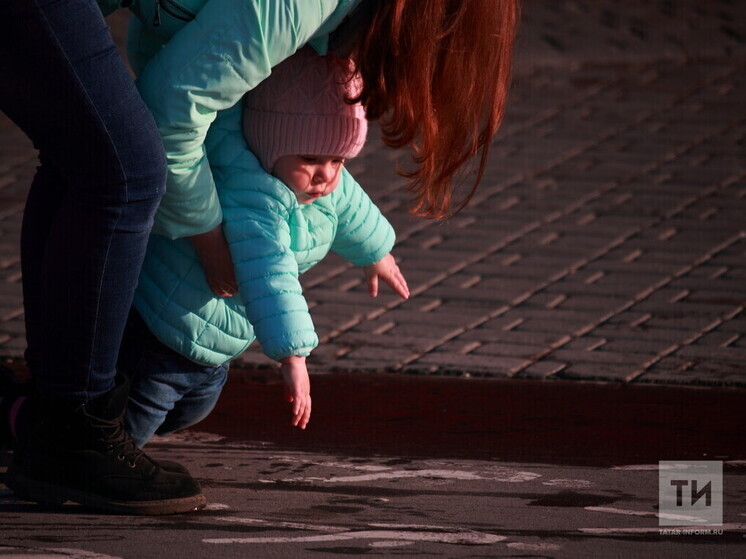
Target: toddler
x: 287, y: 200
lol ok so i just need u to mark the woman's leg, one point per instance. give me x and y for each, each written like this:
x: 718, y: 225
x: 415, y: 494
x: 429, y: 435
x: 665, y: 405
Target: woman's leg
x: 92, y: 203
x: 85, y: 230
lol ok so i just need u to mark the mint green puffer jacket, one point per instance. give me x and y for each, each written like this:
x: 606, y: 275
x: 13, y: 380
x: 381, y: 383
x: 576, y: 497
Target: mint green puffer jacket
x: 272, y: 240
x: 223, y: 48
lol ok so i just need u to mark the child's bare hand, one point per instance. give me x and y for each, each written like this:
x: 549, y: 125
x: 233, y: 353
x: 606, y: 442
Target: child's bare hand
x: 297, y: 389
x: 214, y: 254
x: 389, y: 272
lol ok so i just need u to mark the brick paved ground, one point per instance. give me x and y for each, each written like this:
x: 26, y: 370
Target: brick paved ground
x: 606, y: 242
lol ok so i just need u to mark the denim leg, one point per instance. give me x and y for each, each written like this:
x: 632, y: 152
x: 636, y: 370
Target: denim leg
x: 196, y: 404
x: 168, y: 391
x: 91, y: 205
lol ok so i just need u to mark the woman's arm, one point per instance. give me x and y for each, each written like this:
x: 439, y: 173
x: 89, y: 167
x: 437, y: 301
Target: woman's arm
x: 226, y: 50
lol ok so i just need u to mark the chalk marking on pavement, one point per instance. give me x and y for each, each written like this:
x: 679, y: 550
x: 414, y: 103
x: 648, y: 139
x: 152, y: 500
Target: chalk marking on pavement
x: 51, y: 553
x: 374, y: 472
x: 391, y: 543
x: 468, y: 537
x: 568, y: 483
x: 398, y: 526
x: 291, y: 525
x: 343, y: 465
x: 385, y: 533
x: 656, y: 530
x: 534, y: 546
x: 217, y: 506
x: 650, y: 467
x: 682, y: 517
x: 457, y: 475
x: 399, y: 474
x: 361, y: 467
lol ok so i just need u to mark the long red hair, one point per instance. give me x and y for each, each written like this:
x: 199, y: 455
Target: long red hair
x: 436, y: 75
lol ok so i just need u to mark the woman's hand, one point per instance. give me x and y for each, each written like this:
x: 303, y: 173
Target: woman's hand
x: 389, y: 272
x: 215, y: 256
x: 297, y: 388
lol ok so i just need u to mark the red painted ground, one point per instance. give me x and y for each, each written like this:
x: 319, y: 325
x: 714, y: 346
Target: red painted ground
x: 527, y: 421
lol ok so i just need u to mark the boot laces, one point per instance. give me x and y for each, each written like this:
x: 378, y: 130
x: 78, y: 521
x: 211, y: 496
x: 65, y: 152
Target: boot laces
x: 117, y: 441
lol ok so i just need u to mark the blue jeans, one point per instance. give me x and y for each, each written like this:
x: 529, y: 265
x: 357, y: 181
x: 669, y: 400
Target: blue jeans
x: 169, y: 392
x: 91, y: 204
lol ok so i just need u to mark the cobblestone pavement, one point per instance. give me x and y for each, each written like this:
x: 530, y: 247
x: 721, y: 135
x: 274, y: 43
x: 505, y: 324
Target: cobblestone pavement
x: 606, y: 241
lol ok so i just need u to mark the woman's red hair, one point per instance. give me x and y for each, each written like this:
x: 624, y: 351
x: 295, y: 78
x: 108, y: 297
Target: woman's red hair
x: 436, y: 74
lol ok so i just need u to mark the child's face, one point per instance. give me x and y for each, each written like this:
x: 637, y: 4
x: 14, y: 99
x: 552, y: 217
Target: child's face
x: 309, y: 176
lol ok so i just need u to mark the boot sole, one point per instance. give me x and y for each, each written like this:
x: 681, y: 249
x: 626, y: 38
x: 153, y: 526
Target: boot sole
x: 54, y: 495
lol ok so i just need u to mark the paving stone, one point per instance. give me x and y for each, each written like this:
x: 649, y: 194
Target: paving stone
x: 686, y: 323
x: 596, y: 372
x: 608, y: 226
x: 509, y: 350
x: 498, y: 366
x: 600, y: 356
x: 675, y: 370
x: 665, y: 335
x: 597, y: 304
x: 385, y: 359
x: 733, y: 355
x: 554, y: 326
x: 512, y: 337
x: 423, y: 328
x: 639, y: 345
x: 542, y: 370
x: 391, y: 340
x: 718, y: 338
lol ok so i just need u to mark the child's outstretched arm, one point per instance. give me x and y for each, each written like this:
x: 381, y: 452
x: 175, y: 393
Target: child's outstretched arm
x: 215, y: 257
x: 389, y: 272
x: 297, y: 388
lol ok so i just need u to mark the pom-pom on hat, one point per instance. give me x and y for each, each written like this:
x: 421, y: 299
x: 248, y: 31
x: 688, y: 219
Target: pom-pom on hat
x: 301, y: 109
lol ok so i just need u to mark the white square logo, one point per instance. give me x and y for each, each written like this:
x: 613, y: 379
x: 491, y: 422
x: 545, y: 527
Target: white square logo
x: 690, y: 493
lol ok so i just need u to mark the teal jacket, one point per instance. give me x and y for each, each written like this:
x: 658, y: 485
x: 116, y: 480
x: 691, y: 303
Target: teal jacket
x: 272, y: 239
x: 223, y: 48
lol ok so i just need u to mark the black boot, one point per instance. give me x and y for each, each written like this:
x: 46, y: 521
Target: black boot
x: 10, y: 390
x: 80, y: 452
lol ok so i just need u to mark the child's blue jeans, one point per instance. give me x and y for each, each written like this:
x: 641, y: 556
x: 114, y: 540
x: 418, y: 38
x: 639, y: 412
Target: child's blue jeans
x: 169, y: 392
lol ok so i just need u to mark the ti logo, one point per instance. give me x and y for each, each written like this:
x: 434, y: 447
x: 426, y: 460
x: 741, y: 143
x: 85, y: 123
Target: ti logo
x: 690, y: 493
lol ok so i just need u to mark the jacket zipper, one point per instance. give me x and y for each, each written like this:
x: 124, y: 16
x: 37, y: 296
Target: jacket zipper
x: 172, y: 9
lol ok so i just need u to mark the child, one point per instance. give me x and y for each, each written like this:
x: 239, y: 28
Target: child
x: 181, y: 337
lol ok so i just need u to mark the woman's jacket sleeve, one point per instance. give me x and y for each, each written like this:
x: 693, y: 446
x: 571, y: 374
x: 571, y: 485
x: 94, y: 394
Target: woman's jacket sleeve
x: 206, y: 67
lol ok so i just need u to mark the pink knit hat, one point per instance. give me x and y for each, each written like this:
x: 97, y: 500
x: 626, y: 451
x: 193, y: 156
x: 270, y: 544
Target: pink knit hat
x: 300, y: 109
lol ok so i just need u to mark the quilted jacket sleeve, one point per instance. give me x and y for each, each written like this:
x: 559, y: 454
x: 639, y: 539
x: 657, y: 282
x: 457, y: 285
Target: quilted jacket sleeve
x: 364, y: 236
x: 255, y: 212
x: 206, y: 67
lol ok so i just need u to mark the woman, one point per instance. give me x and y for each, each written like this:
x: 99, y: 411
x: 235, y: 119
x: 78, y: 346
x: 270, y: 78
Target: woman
x: 435, y: 72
